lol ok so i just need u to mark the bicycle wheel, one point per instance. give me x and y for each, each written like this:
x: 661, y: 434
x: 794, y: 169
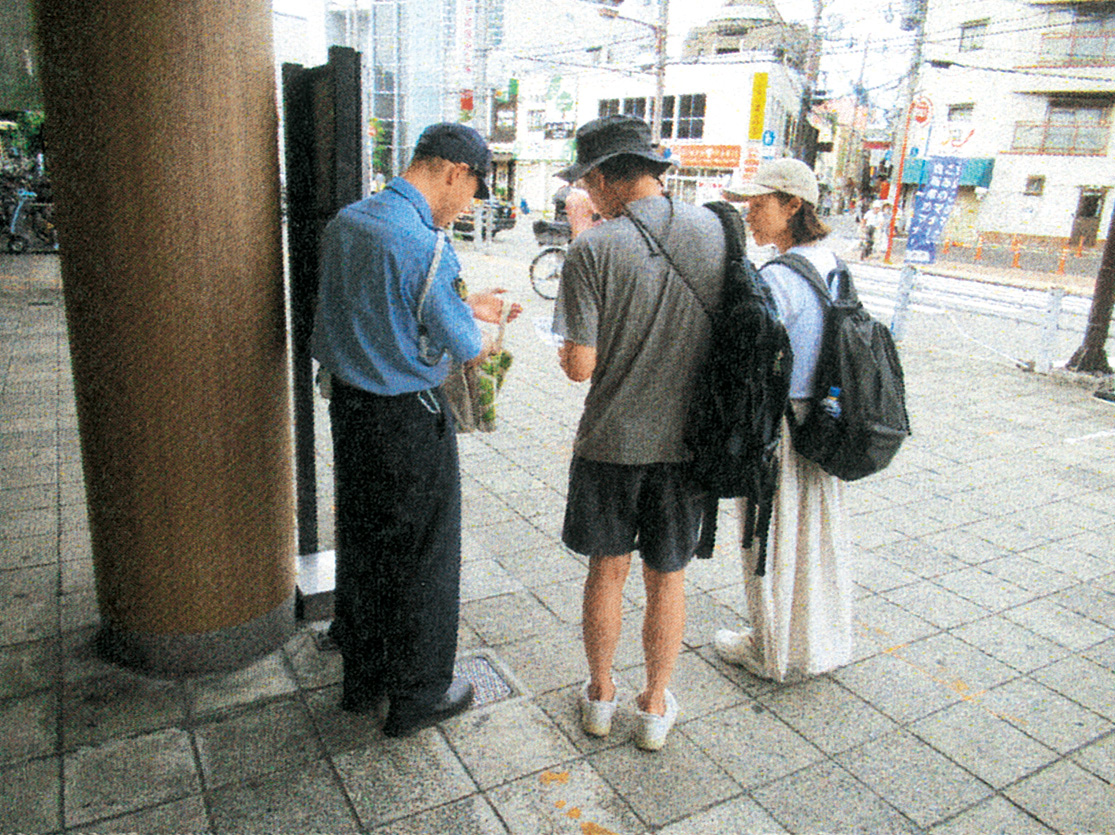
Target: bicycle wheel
x: 545, y: 271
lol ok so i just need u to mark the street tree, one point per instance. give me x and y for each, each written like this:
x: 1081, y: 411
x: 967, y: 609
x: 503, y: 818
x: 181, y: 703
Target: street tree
x: 1091, y: 356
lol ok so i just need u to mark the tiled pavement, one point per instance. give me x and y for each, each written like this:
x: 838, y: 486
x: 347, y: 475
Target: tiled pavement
x: 982, y: 698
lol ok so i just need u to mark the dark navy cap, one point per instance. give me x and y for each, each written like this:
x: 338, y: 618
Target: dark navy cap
x: 458, y: 143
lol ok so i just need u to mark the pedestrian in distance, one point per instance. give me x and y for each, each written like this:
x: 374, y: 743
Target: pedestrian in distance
x: 634, y: 328
x: 801, y: 609
x: 873, y: 221
x: 398, y: 491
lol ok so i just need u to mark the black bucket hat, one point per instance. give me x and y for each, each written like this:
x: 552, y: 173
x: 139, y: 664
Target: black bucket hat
x: 611, y: 136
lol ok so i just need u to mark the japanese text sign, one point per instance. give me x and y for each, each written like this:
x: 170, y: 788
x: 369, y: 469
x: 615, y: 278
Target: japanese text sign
x: 932, y: 205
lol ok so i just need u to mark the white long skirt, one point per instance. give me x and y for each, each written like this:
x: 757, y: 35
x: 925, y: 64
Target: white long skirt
x: 801, y: 609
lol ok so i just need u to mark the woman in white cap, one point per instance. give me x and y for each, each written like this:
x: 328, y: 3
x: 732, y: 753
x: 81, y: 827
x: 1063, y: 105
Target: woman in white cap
x: 801, y: 609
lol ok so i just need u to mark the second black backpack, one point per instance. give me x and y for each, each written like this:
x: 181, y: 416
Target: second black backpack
x: 858, y: 365
x: 734, y: 428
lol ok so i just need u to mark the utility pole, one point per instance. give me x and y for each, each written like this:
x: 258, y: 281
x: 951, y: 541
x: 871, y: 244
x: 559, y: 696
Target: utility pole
x: 916, y: 21
x: 481, y: 99
x: 660, y: 68
x: 863, y: 65
x: 1091, y: 357
x: 483, y: 114
x: 660, y: 30
x: 812, y: 71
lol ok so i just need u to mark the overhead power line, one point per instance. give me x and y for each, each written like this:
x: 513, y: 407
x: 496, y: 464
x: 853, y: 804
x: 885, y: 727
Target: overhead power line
x: 946, y: 64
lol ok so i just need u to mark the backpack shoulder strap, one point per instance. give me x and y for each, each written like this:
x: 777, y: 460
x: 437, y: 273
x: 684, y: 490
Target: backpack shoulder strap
x: 804, y: 267
x: 838, y: 286
x: 735, y: 238
x: 652, y: 244
x: 845, y: 291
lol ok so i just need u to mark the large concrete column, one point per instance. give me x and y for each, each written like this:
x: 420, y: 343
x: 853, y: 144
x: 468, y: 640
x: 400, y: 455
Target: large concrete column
x: 162, y: 144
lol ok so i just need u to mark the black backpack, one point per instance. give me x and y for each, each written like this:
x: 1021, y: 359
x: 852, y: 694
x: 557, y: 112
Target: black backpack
x: 859, y: 359
x: 734, y: 424
x: 734, y: 427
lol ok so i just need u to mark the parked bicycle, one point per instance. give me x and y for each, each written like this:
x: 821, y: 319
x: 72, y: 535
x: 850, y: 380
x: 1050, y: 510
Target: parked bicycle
x: 27, y: 210
x: 545, y: 269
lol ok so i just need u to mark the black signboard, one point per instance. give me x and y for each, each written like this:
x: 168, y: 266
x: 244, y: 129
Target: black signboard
x: 560, y: 130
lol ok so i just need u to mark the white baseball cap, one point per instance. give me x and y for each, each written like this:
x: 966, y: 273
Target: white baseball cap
x: 789, y: 176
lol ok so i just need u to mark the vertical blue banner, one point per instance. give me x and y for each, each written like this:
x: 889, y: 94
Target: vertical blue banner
x: 932, y: 205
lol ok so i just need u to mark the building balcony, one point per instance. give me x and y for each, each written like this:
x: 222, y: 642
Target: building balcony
x: 1059, y: 139
x: 1077, y: 49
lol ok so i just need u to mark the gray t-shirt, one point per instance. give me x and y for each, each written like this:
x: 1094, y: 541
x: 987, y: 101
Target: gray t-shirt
x: 649, y: 331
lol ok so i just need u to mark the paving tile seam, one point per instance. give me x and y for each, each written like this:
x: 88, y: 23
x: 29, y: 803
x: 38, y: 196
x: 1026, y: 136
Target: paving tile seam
x: 303, y: 694
x: 989, y: 790
x: 1074, y: 650
x: 83, y: 828
x: 1001, y: 796
x: 373, y: 826
x: 618, y: 790
x: 1075, y: 702
x: 1036, y: 773
x: 761, y: 784
x: 58, y: 671
x: 554, y: 768
x: 1066, y: 608
x: 831, y: 760
x: 1070, y: 756
x: 975, y: 698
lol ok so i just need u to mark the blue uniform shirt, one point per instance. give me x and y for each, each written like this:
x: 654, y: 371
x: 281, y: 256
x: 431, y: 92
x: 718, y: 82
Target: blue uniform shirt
x: 374, y: 258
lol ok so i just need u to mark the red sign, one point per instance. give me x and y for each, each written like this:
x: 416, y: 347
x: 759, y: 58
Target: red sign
x: 751, y: 164
x: 706, y: 156
x: 921, y: 107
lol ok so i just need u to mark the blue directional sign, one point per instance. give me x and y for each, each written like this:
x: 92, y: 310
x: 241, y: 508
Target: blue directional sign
x: 768, y: 138
x: 932, y: 205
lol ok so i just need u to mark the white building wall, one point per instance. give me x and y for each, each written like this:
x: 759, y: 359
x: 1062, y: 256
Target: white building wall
x: 299, y: 32
x: 545, y: 99
x: 727, y: 86
x: 1051, y: 214
x: 1009, y: 88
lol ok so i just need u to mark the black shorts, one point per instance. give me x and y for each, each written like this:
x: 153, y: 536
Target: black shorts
x: 614, y: 509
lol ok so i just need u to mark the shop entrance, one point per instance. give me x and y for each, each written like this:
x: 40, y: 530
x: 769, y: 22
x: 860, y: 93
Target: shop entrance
x: 1086, y: 222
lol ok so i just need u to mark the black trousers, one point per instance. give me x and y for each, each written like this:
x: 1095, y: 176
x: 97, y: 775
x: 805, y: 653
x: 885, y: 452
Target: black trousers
x: 398, y: 532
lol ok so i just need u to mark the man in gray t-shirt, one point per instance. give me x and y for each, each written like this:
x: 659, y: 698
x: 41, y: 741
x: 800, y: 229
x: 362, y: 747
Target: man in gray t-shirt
x: 634, y: 326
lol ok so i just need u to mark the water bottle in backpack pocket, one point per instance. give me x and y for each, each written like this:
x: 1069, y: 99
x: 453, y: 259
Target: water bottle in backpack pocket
x: 859, y: 362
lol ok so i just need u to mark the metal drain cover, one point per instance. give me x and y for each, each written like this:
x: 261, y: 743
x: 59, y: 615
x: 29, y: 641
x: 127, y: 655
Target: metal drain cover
x: 490, y: 678
x: 491, y: 681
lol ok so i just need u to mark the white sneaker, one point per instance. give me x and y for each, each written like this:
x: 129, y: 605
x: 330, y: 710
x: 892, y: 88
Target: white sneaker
x: 739, y: 648
x: 651, y: 729
x: 596, y: 716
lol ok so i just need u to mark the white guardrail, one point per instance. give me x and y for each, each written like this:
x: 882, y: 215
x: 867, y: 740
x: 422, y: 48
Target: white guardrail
x: 893, y: 294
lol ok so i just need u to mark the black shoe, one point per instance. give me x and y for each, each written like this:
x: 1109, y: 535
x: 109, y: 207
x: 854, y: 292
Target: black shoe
x: 405, y: 717
x: 362, y: 702
x: 360, y: 694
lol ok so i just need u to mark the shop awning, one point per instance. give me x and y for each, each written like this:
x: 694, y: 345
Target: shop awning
x: 977, y: 172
